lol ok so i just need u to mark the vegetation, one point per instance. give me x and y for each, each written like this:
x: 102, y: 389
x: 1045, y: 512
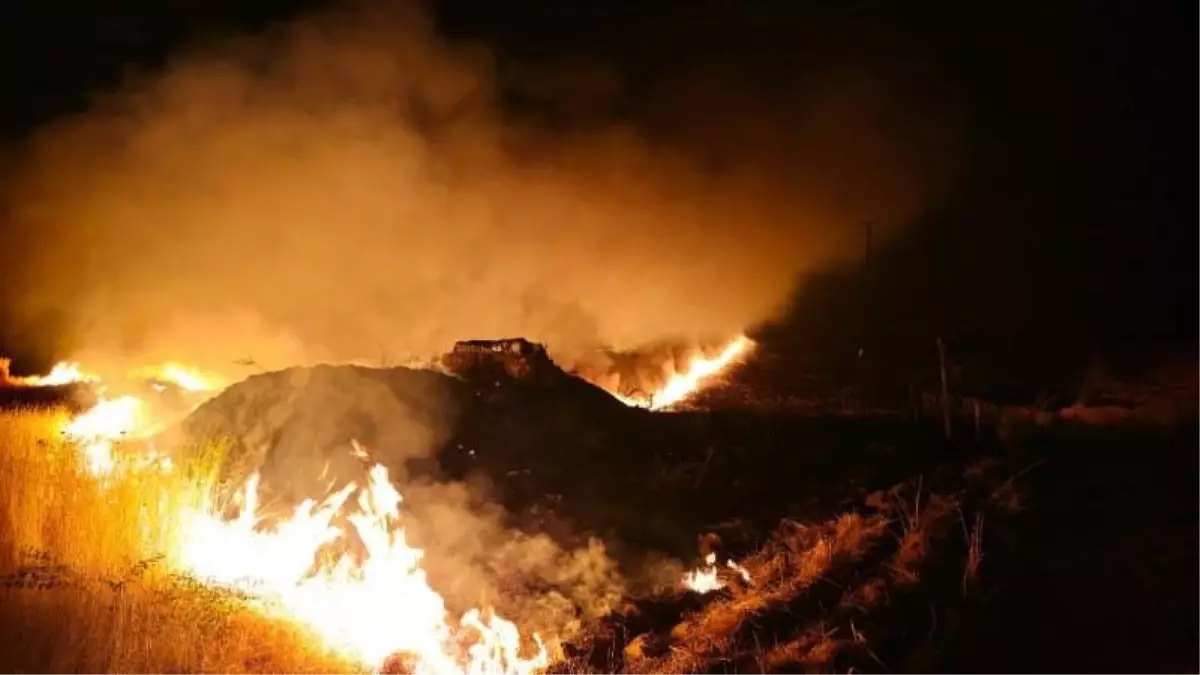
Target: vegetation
x: 871, y: 545
x: 843, y: 595
x: 86, y: 583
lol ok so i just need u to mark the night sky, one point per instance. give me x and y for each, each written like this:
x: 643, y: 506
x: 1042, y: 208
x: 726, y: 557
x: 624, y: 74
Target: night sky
x: 1072, y: 219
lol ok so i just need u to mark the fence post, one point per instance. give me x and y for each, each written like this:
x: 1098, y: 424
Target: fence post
x: 945, y: 387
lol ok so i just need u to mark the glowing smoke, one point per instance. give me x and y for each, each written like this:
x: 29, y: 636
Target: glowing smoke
x: 345, y: 188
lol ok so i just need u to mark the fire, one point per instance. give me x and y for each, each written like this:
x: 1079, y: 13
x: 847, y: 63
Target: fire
x: 108, y: 419
x: 707, y: 578
x: 368, y: 610
x: 97, y: 429
x: 682, y: 385
x: 70, y: 372
x: 187, y: 379
x: 704, y: 580
x: 113, y: 419
x: 64, y: 372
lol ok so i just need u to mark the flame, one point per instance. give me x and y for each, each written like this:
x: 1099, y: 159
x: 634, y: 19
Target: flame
x: 682, y: 385
x: 368, y: 610
x: 741, y: 571
x: 111, y: 419
x: 63, y: 372
x: 187, y: 379
x: 707, y: 579
x: 70, y: 372
x: 99, y: 427
x: 704, y: 580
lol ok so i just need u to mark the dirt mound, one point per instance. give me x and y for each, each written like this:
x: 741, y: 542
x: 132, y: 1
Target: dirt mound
x: 496, y: 407
x: 474, y: 451
x: 296, y: 425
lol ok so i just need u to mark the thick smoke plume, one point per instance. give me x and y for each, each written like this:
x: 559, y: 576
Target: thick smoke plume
x: 347, y: 188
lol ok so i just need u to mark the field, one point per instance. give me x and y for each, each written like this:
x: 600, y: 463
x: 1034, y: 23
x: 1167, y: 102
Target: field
x: 868, y: 543
x: 84, y: 586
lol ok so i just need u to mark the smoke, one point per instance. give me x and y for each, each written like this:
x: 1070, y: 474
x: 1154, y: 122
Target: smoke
x: 297, y: 430
x: 475, y: 559
x: 347, y: 188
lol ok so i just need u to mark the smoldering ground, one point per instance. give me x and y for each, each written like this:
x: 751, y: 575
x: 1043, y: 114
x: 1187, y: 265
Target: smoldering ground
x: 347, y: 187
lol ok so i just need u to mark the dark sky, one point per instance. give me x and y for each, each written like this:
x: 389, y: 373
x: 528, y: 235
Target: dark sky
x: 1075, y: 213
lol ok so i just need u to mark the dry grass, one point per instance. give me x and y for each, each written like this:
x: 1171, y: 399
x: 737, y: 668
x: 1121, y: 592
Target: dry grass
x: 920, y: 523
x: 974, y: 538
x: 85, y: 570
x: 788, y: 566
x: 856, y: 592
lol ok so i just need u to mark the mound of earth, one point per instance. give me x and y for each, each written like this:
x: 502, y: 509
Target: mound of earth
x: 489, y: 453
x: 498, y: 408
x: 295, y: 426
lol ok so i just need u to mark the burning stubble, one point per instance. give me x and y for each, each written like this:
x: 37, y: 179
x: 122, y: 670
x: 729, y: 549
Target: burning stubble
x: 345, y: 188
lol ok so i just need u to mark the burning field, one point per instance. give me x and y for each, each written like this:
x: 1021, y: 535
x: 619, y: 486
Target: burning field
x: 400, y: 337
x: 126, y: 507
x: 340, y: 189
x: 490, y: 514
x: 294, y: 521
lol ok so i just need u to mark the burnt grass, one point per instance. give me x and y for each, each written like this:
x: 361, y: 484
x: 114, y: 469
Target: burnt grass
x: 857, y: 528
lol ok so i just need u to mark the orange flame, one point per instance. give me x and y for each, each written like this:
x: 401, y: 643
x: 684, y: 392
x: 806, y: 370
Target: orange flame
x: 113, y: 419
x: 183, y: 377
x: 680, y: 386
x: 63, y: 372
x: 367, y: 610
x: 70, y: 372
x: 706, y: 579
x: 97, y: 429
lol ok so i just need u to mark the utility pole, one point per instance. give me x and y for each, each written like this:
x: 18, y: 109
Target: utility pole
x: 948, y: 428
x: 869, y: 240
x: 866, y: 335
x: 868, y: 299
